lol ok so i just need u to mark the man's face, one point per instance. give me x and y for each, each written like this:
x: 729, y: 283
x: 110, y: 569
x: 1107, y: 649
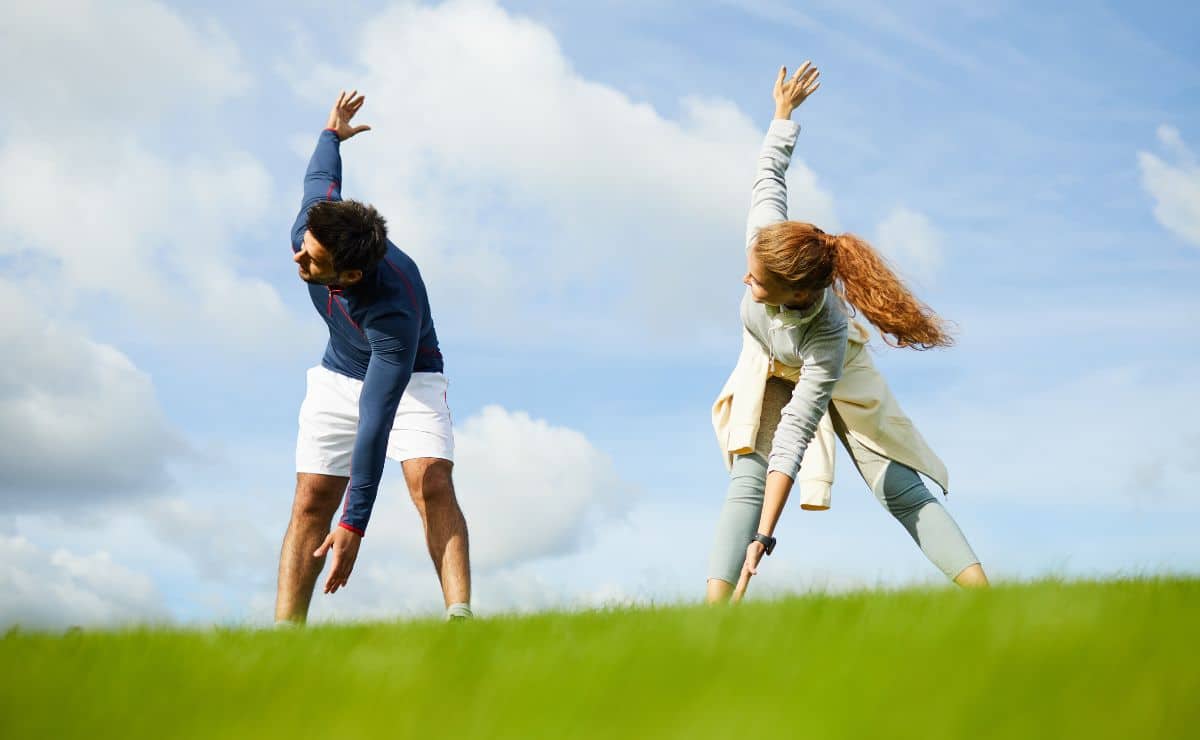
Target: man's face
x: 316, y: 264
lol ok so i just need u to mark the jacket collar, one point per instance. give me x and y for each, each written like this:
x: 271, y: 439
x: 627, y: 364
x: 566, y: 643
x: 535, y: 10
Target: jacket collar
x: 781, y: 316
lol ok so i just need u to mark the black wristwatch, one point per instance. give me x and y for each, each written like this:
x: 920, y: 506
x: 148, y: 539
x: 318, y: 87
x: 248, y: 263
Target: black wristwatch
x: 767, y: 542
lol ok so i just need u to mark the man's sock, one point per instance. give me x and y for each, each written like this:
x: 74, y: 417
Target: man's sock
x: 460, y: 610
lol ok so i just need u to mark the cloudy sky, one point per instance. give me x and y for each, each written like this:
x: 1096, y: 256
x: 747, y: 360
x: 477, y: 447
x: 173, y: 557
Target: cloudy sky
x: 573, y: 181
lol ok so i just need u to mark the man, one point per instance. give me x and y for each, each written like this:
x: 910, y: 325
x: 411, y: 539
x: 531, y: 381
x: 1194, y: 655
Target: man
x: 379, y: 391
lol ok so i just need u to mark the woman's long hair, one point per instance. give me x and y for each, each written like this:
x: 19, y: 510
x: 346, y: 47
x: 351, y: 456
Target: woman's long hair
x: 804, y: 258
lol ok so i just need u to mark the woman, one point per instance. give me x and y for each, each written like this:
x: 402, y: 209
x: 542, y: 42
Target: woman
x: 804, y: 377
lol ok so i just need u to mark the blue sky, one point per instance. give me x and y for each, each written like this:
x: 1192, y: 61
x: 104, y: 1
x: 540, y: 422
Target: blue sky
x: 572, y: 180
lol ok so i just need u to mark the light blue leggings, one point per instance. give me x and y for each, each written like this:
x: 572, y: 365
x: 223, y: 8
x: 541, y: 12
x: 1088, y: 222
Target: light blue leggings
x: 900, y: 490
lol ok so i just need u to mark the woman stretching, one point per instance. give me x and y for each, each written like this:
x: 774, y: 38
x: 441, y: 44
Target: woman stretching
x: 804, y: 377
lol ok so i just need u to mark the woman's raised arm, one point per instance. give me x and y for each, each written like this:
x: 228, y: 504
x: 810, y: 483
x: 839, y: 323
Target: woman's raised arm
x: 768, y: 198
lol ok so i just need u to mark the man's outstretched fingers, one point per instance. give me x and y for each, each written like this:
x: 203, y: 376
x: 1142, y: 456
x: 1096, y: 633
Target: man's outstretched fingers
x: 337, y: 576
x: 338, y: 582
x: 330, y: 582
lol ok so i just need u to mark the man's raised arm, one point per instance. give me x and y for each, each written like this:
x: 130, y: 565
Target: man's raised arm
x: 323, y: 179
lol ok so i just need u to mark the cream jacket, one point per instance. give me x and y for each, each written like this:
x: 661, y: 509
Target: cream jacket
x: 861, y: 397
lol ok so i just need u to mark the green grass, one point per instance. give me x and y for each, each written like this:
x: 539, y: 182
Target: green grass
x: 1046, y: 660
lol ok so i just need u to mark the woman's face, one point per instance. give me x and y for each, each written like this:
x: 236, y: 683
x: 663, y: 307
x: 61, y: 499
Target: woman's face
x: 764, y: 288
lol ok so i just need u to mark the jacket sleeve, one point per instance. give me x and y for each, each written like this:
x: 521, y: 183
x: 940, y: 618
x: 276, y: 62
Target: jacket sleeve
x: 824, y: 354
x: 322, y: 181
x: 393, y: 339
x: 768, y: 198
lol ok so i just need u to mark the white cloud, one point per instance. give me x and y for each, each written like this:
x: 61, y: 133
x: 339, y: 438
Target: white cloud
x: 62, y: 589
x: 217, y: 537
x: 532, y: 489
x: 587, y: 203
x: 108, y: 218
x: 1109, y: 437
x: 529, y: 489
x: 151, y: 235
x: 1174, y: 186
x: 66, y: 61
x: 80, y: 423
x: 911, y: 244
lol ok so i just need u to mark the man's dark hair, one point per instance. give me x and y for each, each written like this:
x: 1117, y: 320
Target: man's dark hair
x: 354, y: 233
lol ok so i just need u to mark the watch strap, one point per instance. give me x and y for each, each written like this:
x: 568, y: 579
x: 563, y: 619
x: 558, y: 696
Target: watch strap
x: 766, y: 541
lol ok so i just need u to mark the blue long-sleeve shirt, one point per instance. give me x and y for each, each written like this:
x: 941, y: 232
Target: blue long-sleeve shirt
x: 380, y: 332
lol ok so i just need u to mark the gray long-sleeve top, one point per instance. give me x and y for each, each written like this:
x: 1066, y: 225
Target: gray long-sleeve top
x: 813, y: 339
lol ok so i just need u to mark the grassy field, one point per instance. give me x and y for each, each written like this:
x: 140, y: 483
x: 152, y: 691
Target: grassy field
x: 1047, y: 660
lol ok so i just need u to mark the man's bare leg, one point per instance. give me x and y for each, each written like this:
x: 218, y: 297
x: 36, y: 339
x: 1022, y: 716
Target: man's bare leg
x: 317, y: 500
x: 432, y: 490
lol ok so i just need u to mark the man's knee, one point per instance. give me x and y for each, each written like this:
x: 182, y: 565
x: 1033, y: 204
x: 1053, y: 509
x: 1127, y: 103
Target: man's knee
x: 317, y: 497
x: 429, y: 481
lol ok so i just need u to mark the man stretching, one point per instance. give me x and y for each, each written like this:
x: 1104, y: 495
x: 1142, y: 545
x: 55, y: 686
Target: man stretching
x: 379, y: 391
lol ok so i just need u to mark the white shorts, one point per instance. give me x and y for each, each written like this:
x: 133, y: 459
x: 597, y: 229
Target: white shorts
x: 329, y: 422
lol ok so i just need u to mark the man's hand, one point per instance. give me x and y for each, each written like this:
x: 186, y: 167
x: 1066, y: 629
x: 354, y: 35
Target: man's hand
x: 754, y: 553
x: 344, y: 544
x: 789, y: 94
x: 343, y: 110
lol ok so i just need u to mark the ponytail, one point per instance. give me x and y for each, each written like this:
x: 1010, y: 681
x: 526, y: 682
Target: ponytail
x: 865, y: 281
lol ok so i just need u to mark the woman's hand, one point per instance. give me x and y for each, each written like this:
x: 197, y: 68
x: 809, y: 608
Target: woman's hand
x: 790, y: 93
x: 754, y: 553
